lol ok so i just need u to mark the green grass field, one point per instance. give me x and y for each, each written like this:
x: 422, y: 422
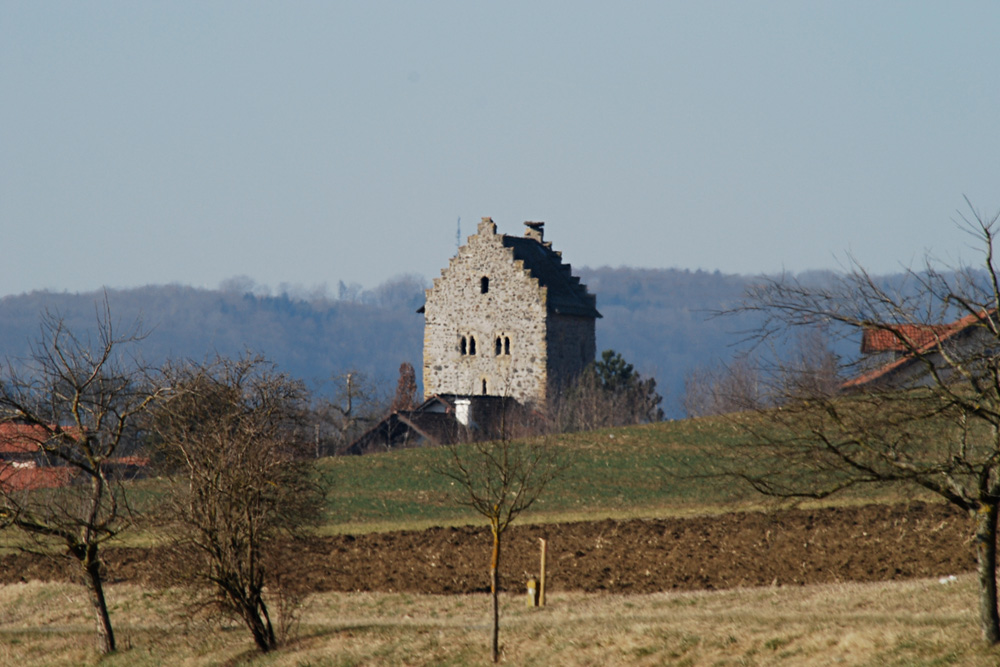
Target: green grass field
x: 638, y: 471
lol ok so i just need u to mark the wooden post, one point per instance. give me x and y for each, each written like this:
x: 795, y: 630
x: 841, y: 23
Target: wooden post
x: 541, y: 577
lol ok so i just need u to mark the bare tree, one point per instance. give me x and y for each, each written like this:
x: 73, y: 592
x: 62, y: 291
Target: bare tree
x: 810, y: 368
x: 74, y: 404
x: 499, y: 480
x: 930, y: 418
x: 232, y: 433
x: 357, y: 404
x: 609, y: 392
x: 732, y: 387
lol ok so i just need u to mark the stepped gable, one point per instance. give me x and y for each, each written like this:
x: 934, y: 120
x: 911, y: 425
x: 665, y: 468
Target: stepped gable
x: 566, y: 294
x: 507, y: 317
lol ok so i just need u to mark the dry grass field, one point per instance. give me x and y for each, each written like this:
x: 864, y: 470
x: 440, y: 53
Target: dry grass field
x: 916, y: 622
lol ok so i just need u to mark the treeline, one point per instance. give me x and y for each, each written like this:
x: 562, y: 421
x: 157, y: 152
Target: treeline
x: 665, y: 321
x: 659, y: 319
x: 312, y: 339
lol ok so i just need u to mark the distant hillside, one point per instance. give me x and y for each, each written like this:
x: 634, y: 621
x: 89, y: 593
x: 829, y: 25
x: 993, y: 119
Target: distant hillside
x: 311, y: 340
x: 660, y: 320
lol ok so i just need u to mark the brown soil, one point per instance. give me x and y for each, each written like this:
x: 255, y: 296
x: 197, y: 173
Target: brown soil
x: 791, y: 547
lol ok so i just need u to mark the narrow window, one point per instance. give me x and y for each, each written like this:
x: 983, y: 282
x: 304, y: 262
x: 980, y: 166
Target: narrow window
x: 472, y: 344
x: 462, y: 346
x: 499, y: 346
x: 506, y: 346
x: 484, y: 387
x: 484, y: 285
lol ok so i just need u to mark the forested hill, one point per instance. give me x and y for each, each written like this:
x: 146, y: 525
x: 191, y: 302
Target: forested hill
x: 658, y: 319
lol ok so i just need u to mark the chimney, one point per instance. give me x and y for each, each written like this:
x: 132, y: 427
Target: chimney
x: 534, y: 230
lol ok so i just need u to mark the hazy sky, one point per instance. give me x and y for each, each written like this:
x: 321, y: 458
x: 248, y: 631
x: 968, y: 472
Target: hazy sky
x: 312, y: 142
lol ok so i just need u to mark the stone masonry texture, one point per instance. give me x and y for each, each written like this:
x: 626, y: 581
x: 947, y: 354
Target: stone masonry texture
x: 490, y: 328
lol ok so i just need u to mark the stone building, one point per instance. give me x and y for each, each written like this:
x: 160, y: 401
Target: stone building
x: 507, y: 318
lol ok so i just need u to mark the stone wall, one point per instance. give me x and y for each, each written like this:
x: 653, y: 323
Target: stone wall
x: 572, y: 344
x: 512, y: 308
x: 521, y: 350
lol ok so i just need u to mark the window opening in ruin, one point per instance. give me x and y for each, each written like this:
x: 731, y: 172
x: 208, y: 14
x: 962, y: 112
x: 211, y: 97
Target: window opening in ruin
x: 506, y: 346
x: 499, y: 347
x: 462, y: 347
x: 484, y: 285
x: 484, y: 387
x: 472, y: 344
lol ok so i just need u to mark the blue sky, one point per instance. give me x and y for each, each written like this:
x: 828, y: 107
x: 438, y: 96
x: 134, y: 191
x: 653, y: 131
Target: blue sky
x: 305, y: 143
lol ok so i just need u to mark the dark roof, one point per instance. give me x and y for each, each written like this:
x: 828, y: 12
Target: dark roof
x: 433, y: 422
x: 566, y: 295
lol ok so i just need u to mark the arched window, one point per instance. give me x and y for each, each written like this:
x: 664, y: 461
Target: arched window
x: 499, y: 346
x: 484, y: 387
x: 506, y: 345
x: 462, y: 346
x: 472, y: 344
x: 484, y: 285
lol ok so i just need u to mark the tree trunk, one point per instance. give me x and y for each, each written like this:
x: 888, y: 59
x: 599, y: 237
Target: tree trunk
x: 986, y: 557
x: 251, y: 608
x: 494, y: 591
x: 105, y: 634
x: 262, y: 633
x: 268, y: 629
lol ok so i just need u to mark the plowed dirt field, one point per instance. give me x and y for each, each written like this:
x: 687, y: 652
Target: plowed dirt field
x: 791, y: 547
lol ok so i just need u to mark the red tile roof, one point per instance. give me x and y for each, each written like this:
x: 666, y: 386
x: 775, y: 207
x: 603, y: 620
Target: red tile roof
x: 902, y: 337
x: 930, y: 336
x: 138, y: 461
x: 17, y: 438
x: 21, y: 438
x: 28, y: 478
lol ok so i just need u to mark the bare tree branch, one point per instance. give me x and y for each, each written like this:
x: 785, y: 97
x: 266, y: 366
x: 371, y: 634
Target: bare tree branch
x: 75, y: 406
x: 929, y: 417
x: 231, y: 433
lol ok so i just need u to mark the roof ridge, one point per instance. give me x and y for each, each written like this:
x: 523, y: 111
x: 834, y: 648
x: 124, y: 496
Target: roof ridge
x: 948, y: 330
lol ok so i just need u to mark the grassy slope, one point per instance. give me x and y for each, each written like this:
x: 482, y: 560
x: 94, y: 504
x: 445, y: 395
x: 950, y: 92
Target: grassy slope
x: 616, y: 473
x: 639, y: 471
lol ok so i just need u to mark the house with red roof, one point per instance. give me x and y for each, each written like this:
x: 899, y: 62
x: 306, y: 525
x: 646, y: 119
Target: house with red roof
x: 898, y: 355
x: 22, y: 443
x: 25, y: 465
